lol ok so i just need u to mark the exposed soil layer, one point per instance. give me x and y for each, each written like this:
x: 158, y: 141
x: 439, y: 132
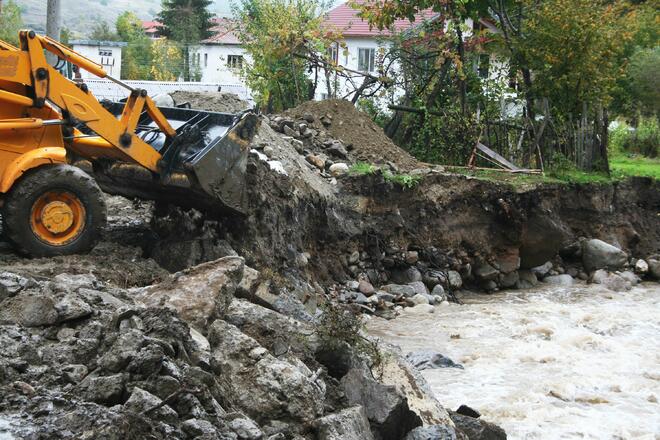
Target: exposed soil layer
x: 366, y: 141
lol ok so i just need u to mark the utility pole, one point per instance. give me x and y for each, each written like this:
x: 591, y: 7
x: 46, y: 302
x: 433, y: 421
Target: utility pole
x: 53, y: 25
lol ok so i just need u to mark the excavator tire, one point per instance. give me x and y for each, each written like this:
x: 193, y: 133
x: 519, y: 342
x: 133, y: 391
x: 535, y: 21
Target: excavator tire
x: 54, y: 210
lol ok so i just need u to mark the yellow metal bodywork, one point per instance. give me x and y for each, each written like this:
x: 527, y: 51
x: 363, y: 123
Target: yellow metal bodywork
x: 32, y: 92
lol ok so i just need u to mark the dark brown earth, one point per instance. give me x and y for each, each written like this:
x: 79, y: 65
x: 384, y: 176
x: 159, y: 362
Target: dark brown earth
x: 355, y: 129
x: 211, y: 101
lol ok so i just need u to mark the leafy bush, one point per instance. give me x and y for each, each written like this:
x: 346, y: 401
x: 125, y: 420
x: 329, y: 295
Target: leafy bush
x: 644, y: 140
x: 405, y: 180
x: 363, y: 169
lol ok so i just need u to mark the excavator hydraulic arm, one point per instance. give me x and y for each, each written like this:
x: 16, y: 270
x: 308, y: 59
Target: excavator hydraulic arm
x: 131, y: 149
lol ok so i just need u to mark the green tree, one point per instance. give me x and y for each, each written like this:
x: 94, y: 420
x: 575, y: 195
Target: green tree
x: 167, y: 60
x: 186, y: 22
x: 10, y: 22
x: 102, y: 32
x: 137, y: 55
x: 281, y: 37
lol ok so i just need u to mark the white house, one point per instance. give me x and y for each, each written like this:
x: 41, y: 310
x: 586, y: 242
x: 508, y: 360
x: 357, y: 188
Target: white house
x: 105, y: 53
x: 221, y: 57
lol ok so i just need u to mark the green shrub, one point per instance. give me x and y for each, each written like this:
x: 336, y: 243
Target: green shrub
x: 405, y: 180
x: 644, y: 140
x: 363, y: 169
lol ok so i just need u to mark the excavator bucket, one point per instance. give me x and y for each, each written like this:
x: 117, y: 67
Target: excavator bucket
x: 203, y: 166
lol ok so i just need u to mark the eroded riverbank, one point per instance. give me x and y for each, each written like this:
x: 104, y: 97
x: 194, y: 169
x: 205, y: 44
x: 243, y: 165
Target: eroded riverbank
x: 576, y: 362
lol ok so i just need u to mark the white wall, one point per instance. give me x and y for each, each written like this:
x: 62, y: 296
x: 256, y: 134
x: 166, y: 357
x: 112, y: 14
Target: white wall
x: 215, y: 68
x: 108, y: 56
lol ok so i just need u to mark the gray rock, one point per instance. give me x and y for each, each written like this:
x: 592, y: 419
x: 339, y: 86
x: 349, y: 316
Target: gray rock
x: 542, y: 270
x: 308, y: 117
x: 510, y: 279
x: 543, y: 236
x: 65, y: 282
x: 406, y: 276
x: 141, y: 401
x: 597, y: 254
x: 434, y: 432
x: 654, y: 268
x: 611, y: 281
x: 199, y: 294
x: 348, y: 424
x: 428, y: 359
x: 508, y: 261
x: 74, y: 373
x: 386, y: 408
x: 11, y: 284
x: 385, y: 296
x: 559, y: 280
x: 245, y: 429
x: 439, y: 291
x: 259, y: 384
x: 485, y: 271
x: 29, y: 310
x: 199, y: 428
x: 354, y: 257
x: 104, y: 389
x: 420, y: 288
x: 338, y: 169
x: 399, y: 290
x: 526, y: 279
x: 434, y: 277
x: 454, y: 279
x: 641, y: 266
x: 630, y: 277
x: 419, y: 299
x: 366, y: 288
x: 412, y: 257
x: 477, y: 429
x: 337, y: 149
x: 71, y: 306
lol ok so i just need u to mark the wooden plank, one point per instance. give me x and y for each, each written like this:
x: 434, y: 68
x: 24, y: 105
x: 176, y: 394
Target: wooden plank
x: 496, y: 157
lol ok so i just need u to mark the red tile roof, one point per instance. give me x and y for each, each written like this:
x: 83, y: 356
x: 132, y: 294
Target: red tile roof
x: 151, y: 26
x: 223, y: 32
x: 343, y: 18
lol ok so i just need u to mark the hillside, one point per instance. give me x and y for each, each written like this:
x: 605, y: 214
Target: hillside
x: 81, y: 15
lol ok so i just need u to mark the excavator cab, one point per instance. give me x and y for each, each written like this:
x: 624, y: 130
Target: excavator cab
x: 60, y: 147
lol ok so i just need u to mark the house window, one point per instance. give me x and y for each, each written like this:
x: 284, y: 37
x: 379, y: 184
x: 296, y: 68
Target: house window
x: 235, y: 61
x: 105, y: 53
x: 206, y: 60
x: 333, y: 53
x: 366, y: 59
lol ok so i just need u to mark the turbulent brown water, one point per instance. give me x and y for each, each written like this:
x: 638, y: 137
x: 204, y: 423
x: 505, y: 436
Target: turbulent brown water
x: 554, y: 363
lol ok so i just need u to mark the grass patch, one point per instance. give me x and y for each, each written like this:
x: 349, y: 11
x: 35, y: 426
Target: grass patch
x: 623, y: 166
x: 405, y: 180
x: 363, y: 169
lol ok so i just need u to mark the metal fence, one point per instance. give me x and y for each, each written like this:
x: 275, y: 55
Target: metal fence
x: 106, y: 89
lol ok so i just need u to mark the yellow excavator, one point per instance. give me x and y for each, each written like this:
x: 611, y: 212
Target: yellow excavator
x: 60, y: 147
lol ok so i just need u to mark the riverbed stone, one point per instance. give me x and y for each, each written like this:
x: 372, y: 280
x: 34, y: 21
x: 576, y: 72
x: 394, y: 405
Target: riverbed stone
x: 349, y: 424
x: 485, y: 271
x: 338, y: 169
x: 654, y: 268
x: 477, y: 429
x: 510, y: 279
x: 419, y: 299
x: 612, y: 281
x: 429, y: 359
x: 559, y: 280
x: 542, y: 270
x: 434, y: 432
x: 399, y: 290
x: 420, y: 288
x: 596, y: 254
x: 454, y: 279
x: 366, y: 288
x: 641, y: 266
x: 405, y: 276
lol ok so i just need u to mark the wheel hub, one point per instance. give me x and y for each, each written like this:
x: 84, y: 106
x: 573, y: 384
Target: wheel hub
x: 57, y: 217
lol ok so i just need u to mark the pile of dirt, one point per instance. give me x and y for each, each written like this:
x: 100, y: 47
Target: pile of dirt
x: 211, y: 101
x: 354, y: 129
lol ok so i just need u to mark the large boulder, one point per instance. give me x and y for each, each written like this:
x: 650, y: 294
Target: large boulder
x: 542, y: 238
x: 435, y: 432
x: 260, y: 385
x: 654, y: 267
x: 199, y: 294
x: 386, y: 407
x: 477, y: 429
x: 349, y: 424
x: 596, y: 254
x: 29, y: 309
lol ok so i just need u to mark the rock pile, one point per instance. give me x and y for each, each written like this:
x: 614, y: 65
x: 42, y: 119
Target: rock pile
x: 186, y: 359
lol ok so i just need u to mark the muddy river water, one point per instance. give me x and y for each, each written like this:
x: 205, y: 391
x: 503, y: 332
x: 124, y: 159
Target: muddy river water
x: 551, y: 363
